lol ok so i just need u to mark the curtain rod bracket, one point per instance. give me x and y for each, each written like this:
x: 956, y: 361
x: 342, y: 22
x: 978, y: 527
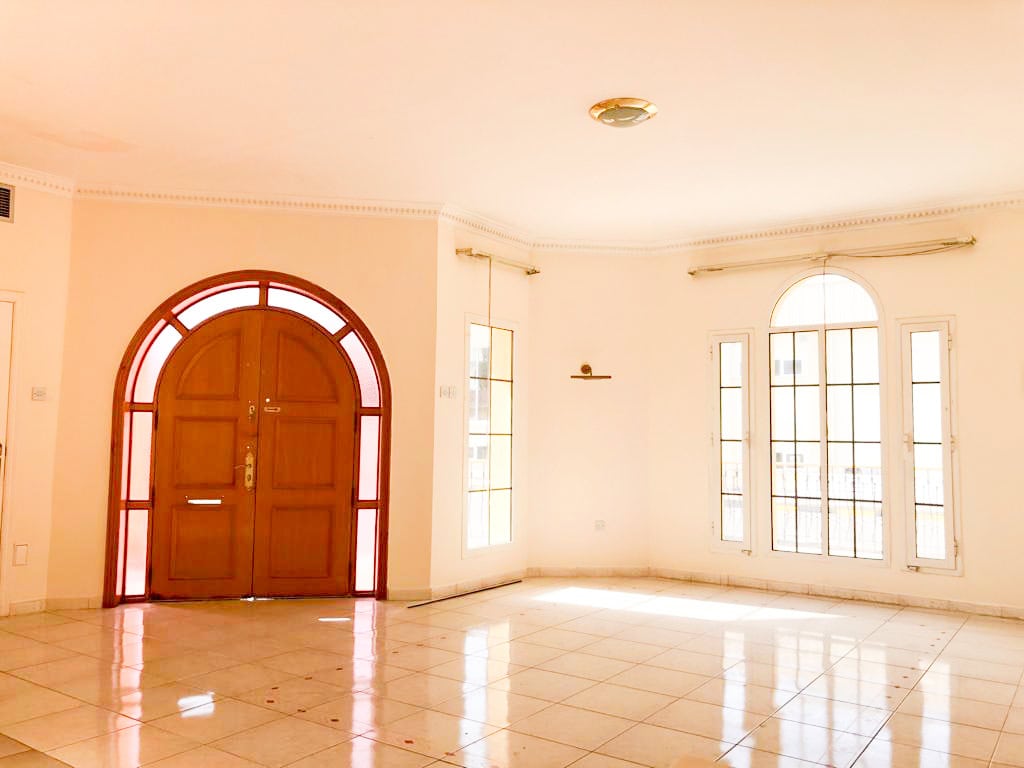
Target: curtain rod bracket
x: 529, y: 269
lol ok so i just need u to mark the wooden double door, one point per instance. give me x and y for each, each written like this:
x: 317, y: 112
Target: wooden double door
x: 254, y: 461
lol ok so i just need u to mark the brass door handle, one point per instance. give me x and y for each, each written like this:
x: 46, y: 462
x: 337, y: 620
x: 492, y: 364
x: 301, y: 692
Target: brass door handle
x: 250, y: 471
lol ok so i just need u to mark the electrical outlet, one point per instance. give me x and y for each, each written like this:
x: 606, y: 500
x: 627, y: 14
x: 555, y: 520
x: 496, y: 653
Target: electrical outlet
x: 21, y: 554
x: 599, y: 525
x: 38, y: 393
x: 448, y: 391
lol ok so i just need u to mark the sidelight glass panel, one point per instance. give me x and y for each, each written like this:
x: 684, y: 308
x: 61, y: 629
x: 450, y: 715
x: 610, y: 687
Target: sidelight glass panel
x: 841, y: 528
x: 808, y: 469
x: 366, y: 550
x: 732, y: 414
x: 479, y: 351
x: 141, y: 450
x: 809, y: 526
x: 839, y: 412
x: 477, y: 519
x: 782, y: 358
x: 366, y: 373
x: 929, y: 484
x: 784, y: 464
x: 478, y: 401
x: 122, y: 534
x: 369, y: 460
x: 930, y: 526
x: 138, y: 545
x: 733, y: 517
x: 869, y: 530
x: 926, y: 356
x: 224, y: 301
x: 730, y: 364
x: 868, y: 457
x: 306, y: 306
x: 501, y: 517
x: 153, y: 363
x: 478, y: 462
x: 501, y: 461
x: 732, y: 467
x: 927, y: 413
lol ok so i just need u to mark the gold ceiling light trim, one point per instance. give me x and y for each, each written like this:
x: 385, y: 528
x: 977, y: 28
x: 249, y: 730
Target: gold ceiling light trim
x: 623, y: 112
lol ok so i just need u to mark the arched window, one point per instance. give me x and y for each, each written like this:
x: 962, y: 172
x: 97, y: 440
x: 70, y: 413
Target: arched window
x: 826, y: 420
x: 131, y: 500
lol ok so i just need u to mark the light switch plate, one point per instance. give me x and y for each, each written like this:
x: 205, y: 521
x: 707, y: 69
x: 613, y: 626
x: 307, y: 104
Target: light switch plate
x: 21, y: 554
x: 38, y: 393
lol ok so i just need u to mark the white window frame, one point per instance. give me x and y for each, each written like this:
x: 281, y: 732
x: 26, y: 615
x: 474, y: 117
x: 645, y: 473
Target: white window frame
x: 471, y: 320
x: 952, y: 564
x: 715, y: 339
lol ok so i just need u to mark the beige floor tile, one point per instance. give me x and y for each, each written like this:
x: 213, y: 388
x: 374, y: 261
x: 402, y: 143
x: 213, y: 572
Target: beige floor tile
x: 865, y: 693
x: 835, y: 715
x: 806, y: 742
x: 31, y: 654
x: 623, y: 650
x: 539, y: 684
x: 573, y: 726
x: 421, y: 690
x: 940, y: 736
x: 736, y: 695
x: 294, y: 695
x: 954, y: 710
x: 1010, y: 749
x: 216, y: 720
x: 491, y: 706
x: 1014, y: 720
x: 594, y: 760
x: 126, y: 748
x: 34, y: 702
x: 363, y: 752
x: 204, y: 757
x: 585, y: 665
x: 304, y: 661
x: 358, y: 713
x: 745, y: 757
x: 476, y: 670
x: 708, y: 720
x: 630, y: 703
x: 662, y: 747
x: 431, y: 733
x: 145, y: 704
x: 980, y: 670
x: 562, y: 639
x: 9, y: 746
x: 31, y: 759
x: 690, y: 661
x: 521, y: 652
x: 659, y: 680
x: 188, y: 665
x: 281, y: 742
x: 506, y: 749
x: 359, y: 675
x: 49, y: 732
x: 885, y: 754
x: 935, y: 681
x: 237, y: 679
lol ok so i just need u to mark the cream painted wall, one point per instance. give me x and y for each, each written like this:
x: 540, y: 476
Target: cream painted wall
x: 34, y: 259
x: 981, y: 287
x: 590, y: 455
x: 129, y: 257
x: 461, y: 295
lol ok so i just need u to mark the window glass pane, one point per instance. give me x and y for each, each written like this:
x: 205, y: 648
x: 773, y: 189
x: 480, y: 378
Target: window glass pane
x: 782, y: 358
x: 501, y: 349
x: 501, y: 461
x: 142, y: 444
x: 730, y: 356
x: 366, y: 550
x: 869, y: 471
x: 846, y: 301
x: 479, y: 404
x: 501, y: 407
x: 501, y: 517
x: 805, y: 365
x: 732, y: 414
x: 138, y: 545
x: 838, y: 357
x: 930, y: 523
x: 784, y: 456
x: 925, y: 356
x: 839, y: 412
x: 808, y: 413
x: 869, y: 530
x: 122, y: 533
x: 867, y: 414
x: 840, y: 528
x: 369, y: 444
x: 808, y: 469
x: 784, y: 524
x: 479, y: 351
x: 477, y: 520
x: 927, y: 413
x: 822, y: 299
x: 217, y: 303
x: 808, y: 513
x: 126, y: 452
x: 732, y: 518
x: 732, y: 467
x: 840, y: 471
x: 137, y: 361
x: 865, y: 355
x: 153, y: 364
x: 782, y: 414
x: 369, y: 390
x: 929, y: 484
x: 478, y: 462
x: 306, y: 306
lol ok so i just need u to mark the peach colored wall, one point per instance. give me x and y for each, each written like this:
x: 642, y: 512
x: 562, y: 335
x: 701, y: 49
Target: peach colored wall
x: 461, y: 295
x: 128, y: 257
x: 34, y: 257
x: 589, y: 450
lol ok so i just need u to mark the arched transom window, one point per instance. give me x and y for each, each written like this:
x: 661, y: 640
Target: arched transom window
x: 826, y: 420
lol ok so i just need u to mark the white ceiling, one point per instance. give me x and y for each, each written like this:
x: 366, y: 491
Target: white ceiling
x: 770, y: 111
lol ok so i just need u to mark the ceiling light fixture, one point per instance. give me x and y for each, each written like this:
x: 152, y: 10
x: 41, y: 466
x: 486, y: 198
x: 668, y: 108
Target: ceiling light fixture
x: 623, y: 112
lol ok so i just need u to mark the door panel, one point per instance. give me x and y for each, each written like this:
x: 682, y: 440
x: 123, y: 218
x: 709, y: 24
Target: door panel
x: 303, y: 527
x: 204, y: 430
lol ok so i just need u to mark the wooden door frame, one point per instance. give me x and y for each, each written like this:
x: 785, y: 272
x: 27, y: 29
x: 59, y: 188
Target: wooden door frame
x: 164, y: 316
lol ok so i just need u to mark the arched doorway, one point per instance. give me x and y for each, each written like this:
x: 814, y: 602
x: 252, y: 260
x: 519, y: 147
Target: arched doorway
x: 251, y: 436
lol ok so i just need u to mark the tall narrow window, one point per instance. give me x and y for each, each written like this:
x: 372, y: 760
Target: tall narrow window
x: 489, y: 444
x: 826, y: 420
x: 929, y: 444
x: 730, y: 480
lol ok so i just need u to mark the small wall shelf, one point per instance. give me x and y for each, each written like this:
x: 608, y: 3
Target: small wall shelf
x: 587, y: 374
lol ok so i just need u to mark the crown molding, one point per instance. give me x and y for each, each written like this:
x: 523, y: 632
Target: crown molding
x: 16, y: 175
x: 453, y: 214
x: 322, y: 205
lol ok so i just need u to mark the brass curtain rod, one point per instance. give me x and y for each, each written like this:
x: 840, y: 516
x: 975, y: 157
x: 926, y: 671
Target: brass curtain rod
x: 529, y: 269
x: 920, y: 248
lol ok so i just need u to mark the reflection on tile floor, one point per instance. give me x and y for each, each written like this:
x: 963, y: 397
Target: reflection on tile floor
x: 592, y: 673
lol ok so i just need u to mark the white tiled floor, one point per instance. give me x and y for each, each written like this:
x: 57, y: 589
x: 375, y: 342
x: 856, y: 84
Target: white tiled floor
x: 592, y: 673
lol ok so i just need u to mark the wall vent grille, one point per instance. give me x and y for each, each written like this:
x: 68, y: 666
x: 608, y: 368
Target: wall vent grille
x: 6, y: 201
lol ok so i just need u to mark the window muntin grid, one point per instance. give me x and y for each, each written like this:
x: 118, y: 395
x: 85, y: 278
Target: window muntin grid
x: 730, y: 480
x: 489, y: 437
